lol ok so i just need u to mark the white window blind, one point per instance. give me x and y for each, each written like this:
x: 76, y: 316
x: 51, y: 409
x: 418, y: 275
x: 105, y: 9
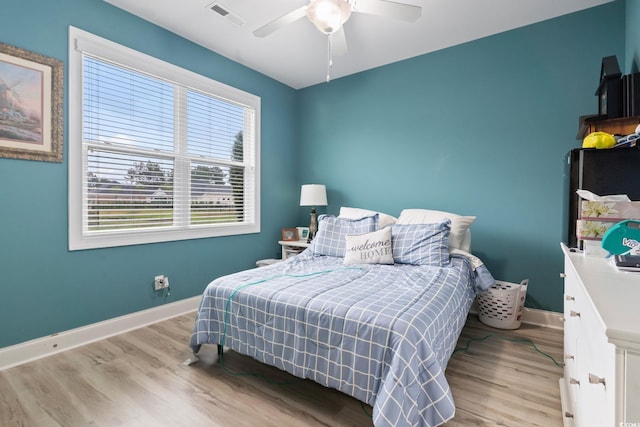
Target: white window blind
x: 157, y: 153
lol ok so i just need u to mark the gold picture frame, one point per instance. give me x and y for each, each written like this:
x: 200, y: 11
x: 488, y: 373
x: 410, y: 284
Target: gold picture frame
x: 31, y: 105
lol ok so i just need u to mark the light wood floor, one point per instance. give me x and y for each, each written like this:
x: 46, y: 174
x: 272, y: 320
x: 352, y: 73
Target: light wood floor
x: 137, y: 379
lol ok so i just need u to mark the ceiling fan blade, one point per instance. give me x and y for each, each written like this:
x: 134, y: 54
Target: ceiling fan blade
x: 338, y: 42
x: 402, y: 11
x: 280, y: 22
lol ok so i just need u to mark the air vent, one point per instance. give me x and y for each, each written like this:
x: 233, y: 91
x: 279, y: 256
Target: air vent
x: 219, y: 10
x: 224, y: 12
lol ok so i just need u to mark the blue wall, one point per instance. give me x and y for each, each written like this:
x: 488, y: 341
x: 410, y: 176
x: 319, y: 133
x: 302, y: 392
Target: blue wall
x: 478, y: 129
x: 46, y: 288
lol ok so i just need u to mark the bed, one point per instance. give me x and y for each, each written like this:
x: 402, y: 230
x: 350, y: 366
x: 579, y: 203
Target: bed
x: 372, y: 311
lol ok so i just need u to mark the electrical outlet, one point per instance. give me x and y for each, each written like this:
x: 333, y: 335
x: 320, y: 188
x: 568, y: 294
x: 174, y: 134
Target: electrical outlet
x: 160, y: 282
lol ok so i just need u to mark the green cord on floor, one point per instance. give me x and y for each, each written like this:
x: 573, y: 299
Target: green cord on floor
x: 523, y: 340
x: 364, y: 409
x: 255, y: 374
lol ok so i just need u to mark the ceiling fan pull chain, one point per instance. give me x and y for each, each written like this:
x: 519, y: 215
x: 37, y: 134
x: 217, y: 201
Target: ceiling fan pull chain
x: 329, y: 59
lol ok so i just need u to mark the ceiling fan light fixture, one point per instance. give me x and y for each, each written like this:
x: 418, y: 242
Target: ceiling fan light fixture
x: 328, y: 15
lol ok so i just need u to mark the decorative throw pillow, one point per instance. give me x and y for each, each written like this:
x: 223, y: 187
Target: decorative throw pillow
x: 421, y: 244
x: 369, y: 248
x: 460, y: 234
x: 356, y: 213
x: 330, y: 238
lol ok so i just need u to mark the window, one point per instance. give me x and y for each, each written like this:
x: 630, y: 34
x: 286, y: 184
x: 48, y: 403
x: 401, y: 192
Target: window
x: 156, y: 152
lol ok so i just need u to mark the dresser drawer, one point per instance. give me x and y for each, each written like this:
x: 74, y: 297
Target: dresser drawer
x: 632, y: 387
x: 595, y: 372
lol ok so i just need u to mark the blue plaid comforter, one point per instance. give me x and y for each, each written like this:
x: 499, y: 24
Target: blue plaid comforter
x: 380, y: 333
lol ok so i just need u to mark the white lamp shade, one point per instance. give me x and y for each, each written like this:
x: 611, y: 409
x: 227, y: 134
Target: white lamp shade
x: 313, y: 195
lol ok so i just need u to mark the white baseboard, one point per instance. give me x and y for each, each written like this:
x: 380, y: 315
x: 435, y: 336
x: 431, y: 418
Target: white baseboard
x: 534, y: 316
x: 549, y: 319
x: 46, y: 346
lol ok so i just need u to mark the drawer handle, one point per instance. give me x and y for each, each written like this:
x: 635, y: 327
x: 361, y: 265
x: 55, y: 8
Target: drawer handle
x: 569, y: 298
x: 568, y: 414
x: 594, y: 379
x: 574, y: 381
x: 569, y: 357
x: 562, y: 275
x: 574, y: 313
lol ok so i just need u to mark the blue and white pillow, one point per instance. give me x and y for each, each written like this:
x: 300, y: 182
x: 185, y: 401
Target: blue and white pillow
x: 330, y: 239
x: 421, y: 244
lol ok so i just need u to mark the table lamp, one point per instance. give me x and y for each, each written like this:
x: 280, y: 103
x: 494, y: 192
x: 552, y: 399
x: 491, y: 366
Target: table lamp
x: 313, y: 195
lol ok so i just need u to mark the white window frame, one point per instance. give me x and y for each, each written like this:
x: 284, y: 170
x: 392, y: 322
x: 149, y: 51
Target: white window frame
x: 79, y: 236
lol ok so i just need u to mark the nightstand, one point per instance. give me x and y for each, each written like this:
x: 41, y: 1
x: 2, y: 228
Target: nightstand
x: 292, y: 247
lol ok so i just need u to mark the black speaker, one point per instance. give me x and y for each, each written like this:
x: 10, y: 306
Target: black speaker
x: 631, y: 95
x: 609, y: 90
x: 610, y: 98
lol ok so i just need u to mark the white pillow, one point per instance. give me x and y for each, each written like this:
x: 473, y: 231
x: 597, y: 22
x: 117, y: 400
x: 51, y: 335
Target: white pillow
x: 369, y: 248
x: 357, y: 213
x: 460, y: 237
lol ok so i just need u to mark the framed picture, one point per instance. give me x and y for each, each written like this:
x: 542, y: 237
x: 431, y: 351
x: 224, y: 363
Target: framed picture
x: 31, y: 97
x: 289, y: 234
x: 303, y: 233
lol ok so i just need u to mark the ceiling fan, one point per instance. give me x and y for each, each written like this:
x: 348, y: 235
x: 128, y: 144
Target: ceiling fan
x: 330, y: 15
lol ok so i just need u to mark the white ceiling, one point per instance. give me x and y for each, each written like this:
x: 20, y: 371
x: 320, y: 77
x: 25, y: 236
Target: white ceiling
x: 297, y: 54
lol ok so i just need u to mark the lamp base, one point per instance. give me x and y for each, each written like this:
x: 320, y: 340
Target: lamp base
x: 313, y: 225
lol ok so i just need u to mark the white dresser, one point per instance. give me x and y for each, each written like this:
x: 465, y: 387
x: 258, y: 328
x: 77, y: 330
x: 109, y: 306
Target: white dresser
x: 601, y: 384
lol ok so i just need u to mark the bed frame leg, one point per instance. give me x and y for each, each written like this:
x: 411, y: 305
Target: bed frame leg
x: 195, y: 358
x: 190, y: 361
